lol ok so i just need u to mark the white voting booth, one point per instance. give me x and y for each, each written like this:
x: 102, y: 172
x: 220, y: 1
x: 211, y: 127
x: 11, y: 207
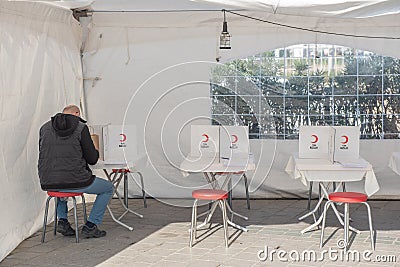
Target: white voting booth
x: 335, y: 143
x: 316, y: 142
x: 211, y: 144
x: 204, y: 141
x: 347, y: 143
x: 234, y: 145
x: 119, y: 143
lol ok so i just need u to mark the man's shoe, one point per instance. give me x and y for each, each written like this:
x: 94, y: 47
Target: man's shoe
x: 64, y: 228
x: 92, y: 232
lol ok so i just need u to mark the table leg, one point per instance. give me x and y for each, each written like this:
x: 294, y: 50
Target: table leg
x: 126, y: 189
x: 116, y: 180
x: 309, y: 196
x: 319, y: 195
x: 211, y: 178
x: 230, y: 192
x: 209, y: 213
x: 118, y: 221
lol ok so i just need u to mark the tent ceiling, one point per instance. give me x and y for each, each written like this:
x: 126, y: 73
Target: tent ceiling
x: 318, y: 8
x: 310, y: 8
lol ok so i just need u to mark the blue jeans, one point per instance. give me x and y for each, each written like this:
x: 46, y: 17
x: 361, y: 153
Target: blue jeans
x: 104, y: 191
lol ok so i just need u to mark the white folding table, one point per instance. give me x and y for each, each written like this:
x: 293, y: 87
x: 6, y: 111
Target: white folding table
x: 218, y: 175
x: 115, y: 178
x: 325, y: 172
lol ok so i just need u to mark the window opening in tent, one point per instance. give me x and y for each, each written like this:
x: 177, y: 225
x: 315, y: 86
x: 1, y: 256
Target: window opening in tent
x: 308, y: 84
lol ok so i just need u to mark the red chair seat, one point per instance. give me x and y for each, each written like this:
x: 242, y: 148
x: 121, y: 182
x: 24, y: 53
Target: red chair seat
x: 210, y: 194
x: 120, y: 170
x: 348, y: 197
x: 63, y: 194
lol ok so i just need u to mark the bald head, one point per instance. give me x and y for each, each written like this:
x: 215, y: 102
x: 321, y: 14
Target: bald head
x: 73, y: 110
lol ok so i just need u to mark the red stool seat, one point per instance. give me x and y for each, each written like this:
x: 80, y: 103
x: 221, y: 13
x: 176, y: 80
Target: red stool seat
x: 120, y: 170
x: 63, y: 194
x: 210, y: 194
x: 348, y: 197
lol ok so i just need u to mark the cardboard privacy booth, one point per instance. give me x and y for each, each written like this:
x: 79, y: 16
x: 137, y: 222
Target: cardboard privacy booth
x: 119, y: 143
x: 336, y: 143
x: 347, y: 143
x: 234, y: 145
x: 204, y: 141
x: 316, y: 142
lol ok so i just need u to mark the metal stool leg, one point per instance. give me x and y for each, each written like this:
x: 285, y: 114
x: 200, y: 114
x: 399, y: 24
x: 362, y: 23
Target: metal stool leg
x: 326, y: 207
x: 76, y: 220
x: 193, y: 224
x: 55, y: 214
x: 45, y: 219
x: 246, y: 186
x: 84, y: 208
x: 371, y: 230
x: 346, y: 226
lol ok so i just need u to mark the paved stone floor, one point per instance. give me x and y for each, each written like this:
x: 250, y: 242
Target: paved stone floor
x: 161, y: 239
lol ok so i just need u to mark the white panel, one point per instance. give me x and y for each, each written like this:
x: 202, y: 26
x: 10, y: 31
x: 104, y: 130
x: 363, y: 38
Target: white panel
x: 347, y: 143
x: 120, y: 143
x: 316, y: 142
x: 204, y: 141
x: 234, y: 144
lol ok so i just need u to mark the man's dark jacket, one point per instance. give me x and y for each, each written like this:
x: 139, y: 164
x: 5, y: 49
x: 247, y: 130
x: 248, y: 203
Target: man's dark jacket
x: 65, y: 150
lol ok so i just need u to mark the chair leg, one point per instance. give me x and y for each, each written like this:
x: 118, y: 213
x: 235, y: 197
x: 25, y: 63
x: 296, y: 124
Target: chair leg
x: 193, y: 224
x: 55, y: 214
x: 326, y: 207
x: 46, y: 211
x: 346, y: 226
x: 246, y: 186
x: 371, y: 230
x: 76, y: 220
x: 84, y: 208
x: 225, y: 221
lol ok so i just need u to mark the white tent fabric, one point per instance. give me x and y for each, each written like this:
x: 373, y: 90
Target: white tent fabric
x: 40, y: 72
x: 141, y: 57
x: 317, y: 8
x: 151, y: 67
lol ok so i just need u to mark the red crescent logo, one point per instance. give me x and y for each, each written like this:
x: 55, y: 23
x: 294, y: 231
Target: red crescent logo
x: 123, y: 137
x: 315, y: 138
x: 206, y: 136
x: 235, y: 138
x: 346, y: 139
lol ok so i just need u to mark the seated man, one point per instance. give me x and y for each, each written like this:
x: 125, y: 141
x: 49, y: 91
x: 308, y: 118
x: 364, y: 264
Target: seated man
x: 65, y: 150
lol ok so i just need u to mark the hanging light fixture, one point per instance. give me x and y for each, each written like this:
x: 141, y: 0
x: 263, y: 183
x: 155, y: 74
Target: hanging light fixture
x: 225, y: 37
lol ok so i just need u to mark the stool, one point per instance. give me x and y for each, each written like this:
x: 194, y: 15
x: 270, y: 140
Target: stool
x: 57, y: 195
x: 347, y: 198
x: 125, y: 173
x: 214, y: 195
